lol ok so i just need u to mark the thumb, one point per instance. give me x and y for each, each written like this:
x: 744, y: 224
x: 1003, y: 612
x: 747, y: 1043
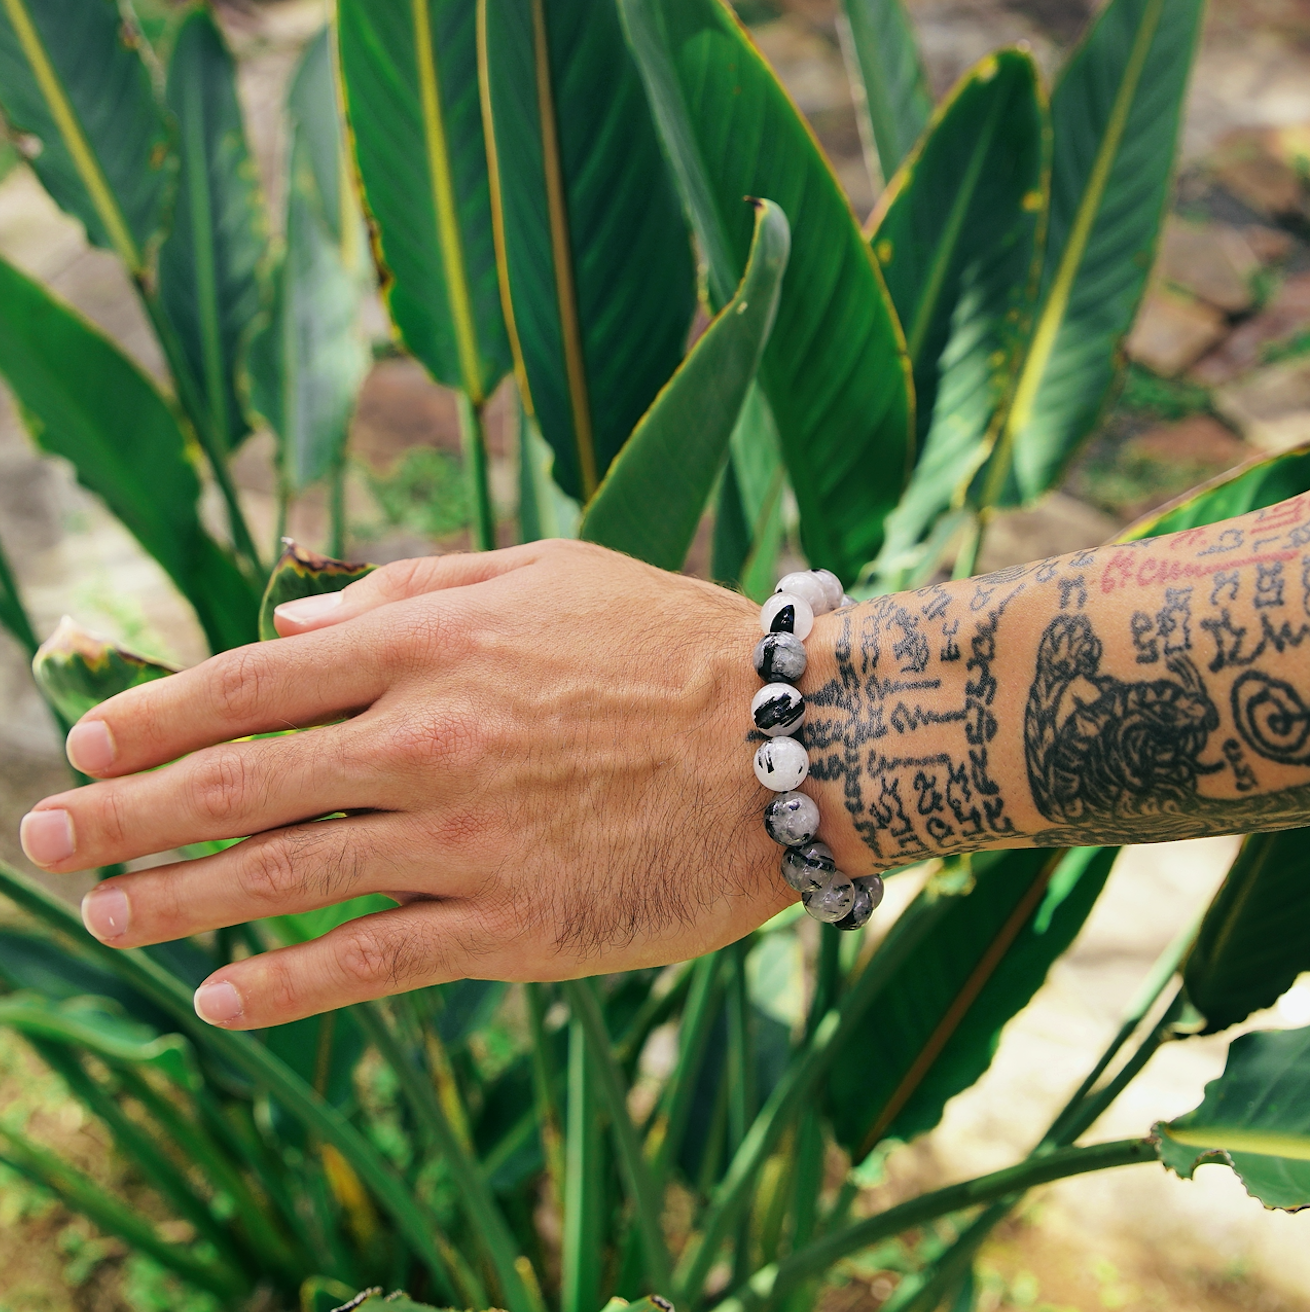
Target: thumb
x: 398, y: 581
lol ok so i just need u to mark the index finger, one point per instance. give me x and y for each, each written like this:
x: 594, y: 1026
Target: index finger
x: 288, y: 684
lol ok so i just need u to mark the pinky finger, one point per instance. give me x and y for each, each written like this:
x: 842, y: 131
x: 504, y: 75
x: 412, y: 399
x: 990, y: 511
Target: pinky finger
x: 393, y: 951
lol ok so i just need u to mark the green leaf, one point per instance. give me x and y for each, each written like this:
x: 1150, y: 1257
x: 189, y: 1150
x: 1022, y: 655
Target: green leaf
x: 316, y: 118
x: 835, y: 371
x: 211, y: 265
x: 958, y: 240
x: 1252, y: 486
x: 933, y: 1029
x: 887, y: 78
x: 1115, y: 116
x: 595, y: 258
x: 72, y: 76
x: 309, y: 356
x: 545, y: 509
x: 93, y: 1025
x: 1255, y: 1118
x: 410, y: 84
x: 300, y: 572
x: 83, y: 399
x: 13, y: 614
x: 1255, y: 937
x: 77, y: 669
x: 675, y: 453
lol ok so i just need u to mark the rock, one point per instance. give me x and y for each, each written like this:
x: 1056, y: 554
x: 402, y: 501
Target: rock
x: 1259, y: 167
x: 1288, y: 312
x: 1212, y: 261
x: 1173, y: 332
x: 1055, y: 526
x: 1271, y: 406
x: 1199, y: 440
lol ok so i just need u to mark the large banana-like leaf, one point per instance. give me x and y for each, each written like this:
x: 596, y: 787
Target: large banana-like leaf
x: 596, y: 265
x: 958, y: 236
x: 936, y: 1021
x: 210, y: 265
x: 1255, y: 1118
x: 676, y: 451
x: 835, y: 371
x: 308, y: 358
x: 1252, y: 486
x: 887, y: 77
x: 72, y: 76
x: 77, y: 670
x: 313, y: 108
x: 82, y: 399
x: 1255, y: 938
x: 410, y: 82
x: 1115, y: 115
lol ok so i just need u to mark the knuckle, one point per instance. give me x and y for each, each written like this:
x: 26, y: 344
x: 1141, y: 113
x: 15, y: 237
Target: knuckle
x: 240, y: 681
x: 268, y: 873
x: 220, y: 787
x: 452, y: 739
x: 372, y: 960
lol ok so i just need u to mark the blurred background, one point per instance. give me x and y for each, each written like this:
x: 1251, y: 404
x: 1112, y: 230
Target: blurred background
x: 1220, y: 371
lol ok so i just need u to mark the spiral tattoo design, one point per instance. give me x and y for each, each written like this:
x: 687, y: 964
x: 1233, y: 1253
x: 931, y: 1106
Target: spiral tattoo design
x: 1272, y: 718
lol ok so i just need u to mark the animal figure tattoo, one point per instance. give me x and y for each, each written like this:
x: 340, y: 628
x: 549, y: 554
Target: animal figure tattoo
x: 1101, y: 746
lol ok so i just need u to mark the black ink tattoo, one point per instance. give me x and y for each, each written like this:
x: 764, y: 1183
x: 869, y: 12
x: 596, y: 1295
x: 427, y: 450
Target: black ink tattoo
x: 1271, y: 717
x: 1098, y: 746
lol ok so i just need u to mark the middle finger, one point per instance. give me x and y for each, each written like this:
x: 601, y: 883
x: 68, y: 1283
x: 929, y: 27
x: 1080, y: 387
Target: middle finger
x: 221, y: 792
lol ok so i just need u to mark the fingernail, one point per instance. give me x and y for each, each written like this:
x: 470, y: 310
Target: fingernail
x: 305, y: 609
x: 105, y: 912
x: 47, y: 836
x: 90, y: 746
x: 218, y: 1003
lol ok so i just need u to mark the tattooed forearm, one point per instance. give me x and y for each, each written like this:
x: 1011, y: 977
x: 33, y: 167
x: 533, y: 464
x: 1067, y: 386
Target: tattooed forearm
x: 1130, y: 694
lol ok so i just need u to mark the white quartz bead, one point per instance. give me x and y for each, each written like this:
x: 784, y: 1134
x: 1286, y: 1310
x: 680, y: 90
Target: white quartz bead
x: 806, y: 583
x: 785, y: 612
x: 792, y: 819
x: 781, y: 764
x: 831, y: 902
x: 831, y: 586
x: 809, y: 867
x: 847, y: 600
x: 777, y: 709
x: 779, y: 656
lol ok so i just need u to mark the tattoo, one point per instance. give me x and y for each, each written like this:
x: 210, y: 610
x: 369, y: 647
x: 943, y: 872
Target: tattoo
x: 1098, y: 745
x: 1271, y: 717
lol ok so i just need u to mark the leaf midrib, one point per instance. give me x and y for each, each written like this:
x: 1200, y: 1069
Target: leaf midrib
x: 66, y: 120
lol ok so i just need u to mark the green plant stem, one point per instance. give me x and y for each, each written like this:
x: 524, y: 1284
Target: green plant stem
x: 473, y: 440
x: 966, y: 562
x: 415, y: 1223
x: 337, y: 509
x: 583, y: 1181
x: 465, y: 1170
x: 799, y: 1080
x: 646, y: 1201
x: 925, y: 1290
x: 654, y: 1011
x: 776, y: 1280
x: 664, y: 1140
x: 741, y: 1099
x: 114, y: 1217
x: 202, y: 421
x: 545, y: 1080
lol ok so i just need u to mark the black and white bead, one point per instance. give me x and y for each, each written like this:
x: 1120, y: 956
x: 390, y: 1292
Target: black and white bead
x: 781, y: 761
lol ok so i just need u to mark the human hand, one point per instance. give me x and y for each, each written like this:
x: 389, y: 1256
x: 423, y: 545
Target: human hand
x: 542, y: 758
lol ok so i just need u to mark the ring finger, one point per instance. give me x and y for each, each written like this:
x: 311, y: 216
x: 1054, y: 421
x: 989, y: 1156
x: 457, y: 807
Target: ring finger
x: 280, y: 873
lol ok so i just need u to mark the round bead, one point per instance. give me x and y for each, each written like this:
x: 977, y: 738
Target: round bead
x: 792, y: 819
x: 861, y: 910
x: 832, y: 902
x: 779, y: 656
x: 806, y: 583
x: 777, y: 709
x: 848, y: 601
x: 875, y: 886
x: 831, y: 586
x: 809, y: 867
x: 781, y: 764
x: 784, y: 612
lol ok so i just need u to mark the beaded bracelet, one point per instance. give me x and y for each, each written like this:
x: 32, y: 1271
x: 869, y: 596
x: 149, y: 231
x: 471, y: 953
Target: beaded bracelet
x: 781, y: 761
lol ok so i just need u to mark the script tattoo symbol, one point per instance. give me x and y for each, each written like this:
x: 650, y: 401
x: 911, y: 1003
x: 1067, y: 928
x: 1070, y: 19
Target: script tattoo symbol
x: 1097, y: 745
x: 1271, y: 717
